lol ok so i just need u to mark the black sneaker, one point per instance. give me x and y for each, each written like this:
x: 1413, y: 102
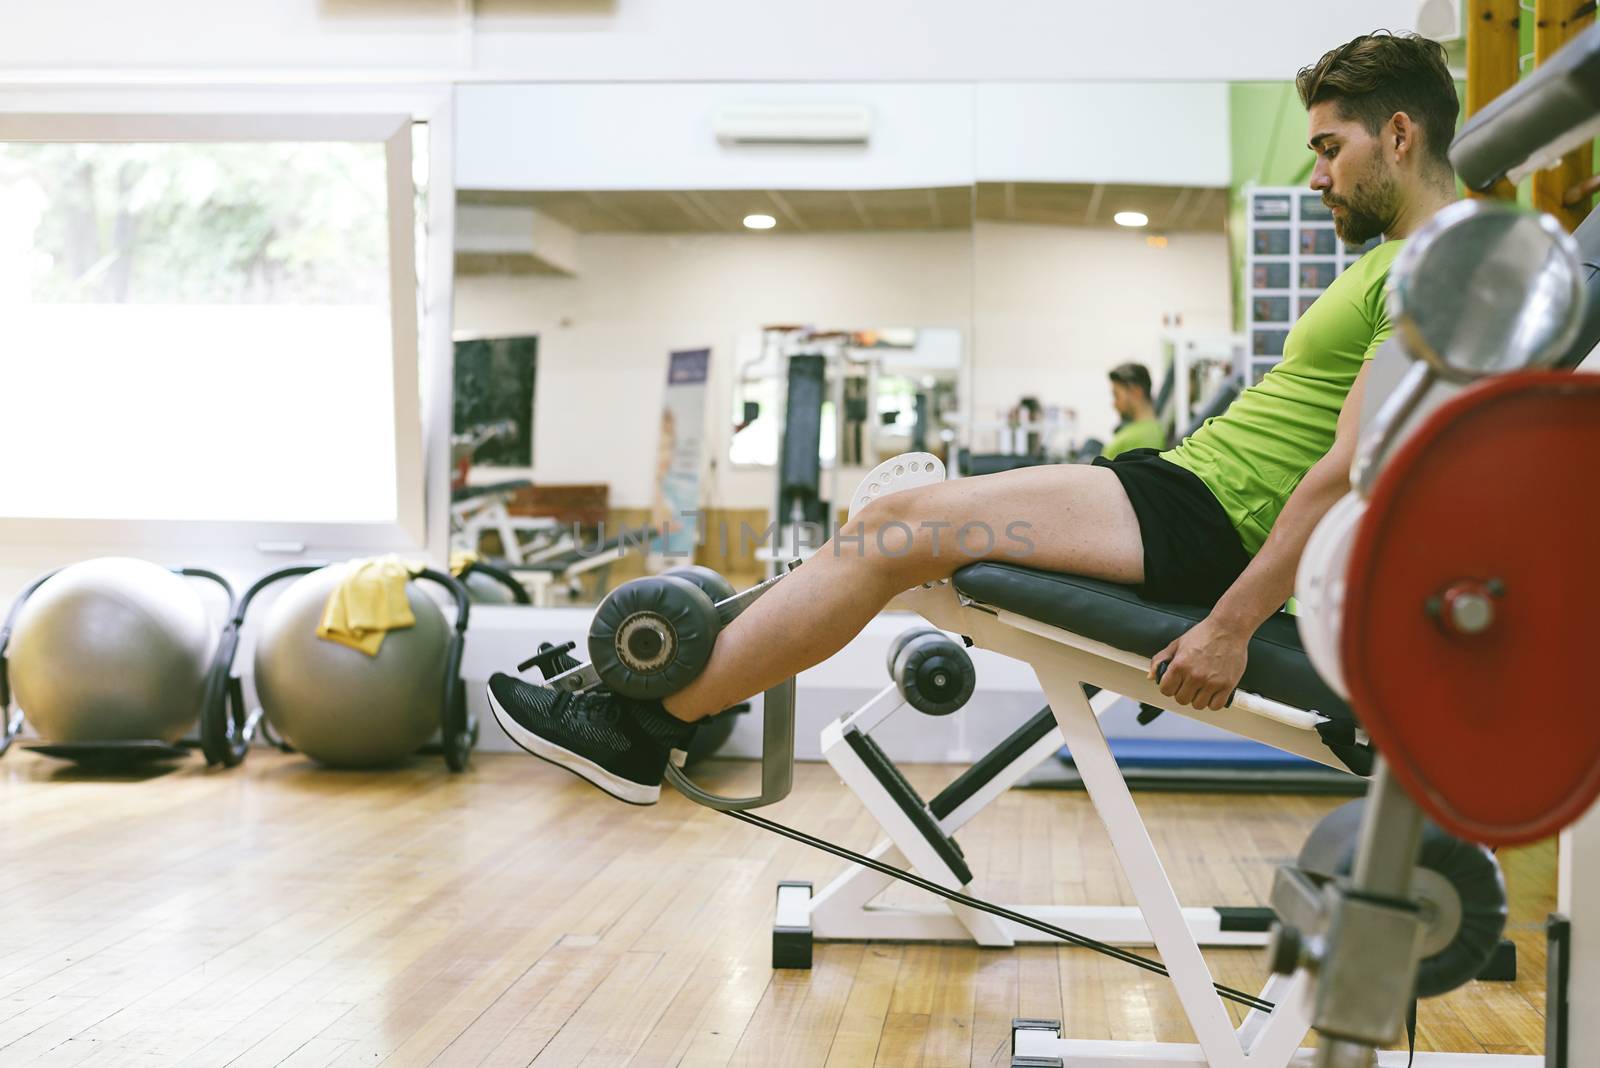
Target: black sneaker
x: 595, y: 735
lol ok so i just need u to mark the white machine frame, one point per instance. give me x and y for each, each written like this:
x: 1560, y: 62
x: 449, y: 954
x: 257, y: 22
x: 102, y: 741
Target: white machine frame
x: 534, y: 564
x: 545, y: 584
x: 473, y: 517
x: 1063, y: 662
x: 843, y: 910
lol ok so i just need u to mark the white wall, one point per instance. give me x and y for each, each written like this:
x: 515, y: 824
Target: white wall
x: 601, y: 40
x: 1151, y: 133
x: 537, y: 136
x: 532, y: 135
x: 1047, y: 311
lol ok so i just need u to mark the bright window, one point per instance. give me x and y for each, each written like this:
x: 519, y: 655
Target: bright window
x: 201, y: 331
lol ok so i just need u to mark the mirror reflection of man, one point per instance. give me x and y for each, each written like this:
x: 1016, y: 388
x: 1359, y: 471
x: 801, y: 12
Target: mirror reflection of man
x: 1140, y: 427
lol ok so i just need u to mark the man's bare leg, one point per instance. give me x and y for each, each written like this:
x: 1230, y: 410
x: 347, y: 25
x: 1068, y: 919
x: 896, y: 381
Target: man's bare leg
x: 1073, y: 518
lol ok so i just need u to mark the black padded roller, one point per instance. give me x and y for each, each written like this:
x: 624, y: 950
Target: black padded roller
x: 1471, y: 870
x: 902, y: 638
x: 715, y: 586
x: 652, y: 636
x: 1475, y: 874
x: 934, y: 673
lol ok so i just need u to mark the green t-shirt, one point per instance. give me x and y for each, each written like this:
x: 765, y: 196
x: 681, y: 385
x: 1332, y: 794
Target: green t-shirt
x: 1255, y: 454
x: 1136, y: 434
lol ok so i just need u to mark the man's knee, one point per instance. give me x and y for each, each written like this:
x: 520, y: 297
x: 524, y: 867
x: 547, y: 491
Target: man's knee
x: 893, y: 527
x: 910, y: 527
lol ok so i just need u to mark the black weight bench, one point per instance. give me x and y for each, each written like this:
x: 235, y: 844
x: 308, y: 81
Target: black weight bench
x: 1115, y: 615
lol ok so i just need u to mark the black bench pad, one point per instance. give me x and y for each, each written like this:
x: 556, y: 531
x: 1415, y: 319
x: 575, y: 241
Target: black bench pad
x: 1117, y: 616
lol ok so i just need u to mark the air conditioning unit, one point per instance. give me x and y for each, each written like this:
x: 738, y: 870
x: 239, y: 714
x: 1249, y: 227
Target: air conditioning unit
x: 793, y: 124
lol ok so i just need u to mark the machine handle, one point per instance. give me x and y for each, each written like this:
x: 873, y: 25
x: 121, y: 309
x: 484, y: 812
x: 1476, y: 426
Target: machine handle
x: 777, y: 756
x: 519, y: 595
x: 457, y: 591
x: 1256, y: 705
x: 777, y: 726
x: 200, y: 572
x: 5, y: 635
x: 268, y: 579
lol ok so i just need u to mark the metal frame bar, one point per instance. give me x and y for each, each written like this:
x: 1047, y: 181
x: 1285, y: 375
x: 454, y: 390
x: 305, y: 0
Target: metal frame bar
x: 843, y: 909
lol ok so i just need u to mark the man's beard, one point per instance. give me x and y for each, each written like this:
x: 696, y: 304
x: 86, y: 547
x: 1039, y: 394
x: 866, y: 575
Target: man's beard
x: 1368, y: 210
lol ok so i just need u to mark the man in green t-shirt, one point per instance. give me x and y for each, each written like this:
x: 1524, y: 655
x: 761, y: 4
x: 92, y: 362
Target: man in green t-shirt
x: 1140, y: 428
x: 1220, y: 520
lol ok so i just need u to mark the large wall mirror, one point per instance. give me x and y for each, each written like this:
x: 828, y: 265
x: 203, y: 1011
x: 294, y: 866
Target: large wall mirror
x: 738, y: 299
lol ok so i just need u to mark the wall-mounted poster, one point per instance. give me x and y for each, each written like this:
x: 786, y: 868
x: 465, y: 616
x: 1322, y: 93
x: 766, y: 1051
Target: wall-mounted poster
x: 682, y: 451
x: 494, y: 392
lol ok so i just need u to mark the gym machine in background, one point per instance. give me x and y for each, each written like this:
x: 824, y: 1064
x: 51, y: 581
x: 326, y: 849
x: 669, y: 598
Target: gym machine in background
x: 800, y: 501
x: 1028, y: 434
x: 1209, y: 372
x: 848, y: 398
x: 800, y: 372
x: 482, y: 509
x: 1202, y: 376
x: 541, y: 560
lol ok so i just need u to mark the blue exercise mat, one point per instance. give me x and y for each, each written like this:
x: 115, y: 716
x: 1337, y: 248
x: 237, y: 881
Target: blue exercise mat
x: 1195, y: 765
x: 1223, y: 754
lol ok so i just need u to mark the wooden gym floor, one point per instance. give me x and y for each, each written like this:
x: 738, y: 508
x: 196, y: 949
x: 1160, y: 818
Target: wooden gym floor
x: 279, y: 914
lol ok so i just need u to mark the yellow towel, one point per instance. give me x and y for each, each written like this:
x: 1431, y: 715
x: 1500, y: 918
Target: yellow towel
x: 461, y: 559
x: 369, y: 602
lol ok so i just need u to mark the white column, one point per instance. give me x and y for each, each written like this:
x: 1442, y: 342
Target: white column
x: 1578, y: 898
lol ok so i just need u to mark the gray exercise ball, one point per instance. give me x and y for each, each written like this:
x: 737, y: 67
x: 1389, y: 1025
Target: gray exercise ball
x: 337, y: 705
x: 486, y: 589
x: 113, y: 649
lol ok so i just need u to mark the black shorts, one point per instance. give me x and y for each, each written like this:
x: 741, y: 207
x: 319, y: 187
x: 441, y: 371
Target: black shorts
x: 1192, y: 554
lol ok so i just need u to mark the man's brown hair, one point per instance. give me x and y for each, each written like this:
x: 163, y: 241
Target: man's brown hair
x: 1132, y: 374
x: 1378, y: 74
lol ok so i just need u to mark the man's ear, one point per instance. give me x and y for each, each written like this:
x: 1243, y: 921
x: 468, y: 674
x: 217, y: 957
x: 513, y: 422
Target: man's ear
x: 1401, y: 134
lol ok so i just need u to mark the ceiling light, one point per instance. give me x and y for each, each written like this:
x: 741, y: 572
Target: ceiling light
x: 1130, y: 218
x: 760, y: 222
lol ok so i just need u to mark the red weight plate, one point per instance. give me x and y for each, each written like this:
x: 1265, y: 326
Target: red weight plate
x: 1496, y: 734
